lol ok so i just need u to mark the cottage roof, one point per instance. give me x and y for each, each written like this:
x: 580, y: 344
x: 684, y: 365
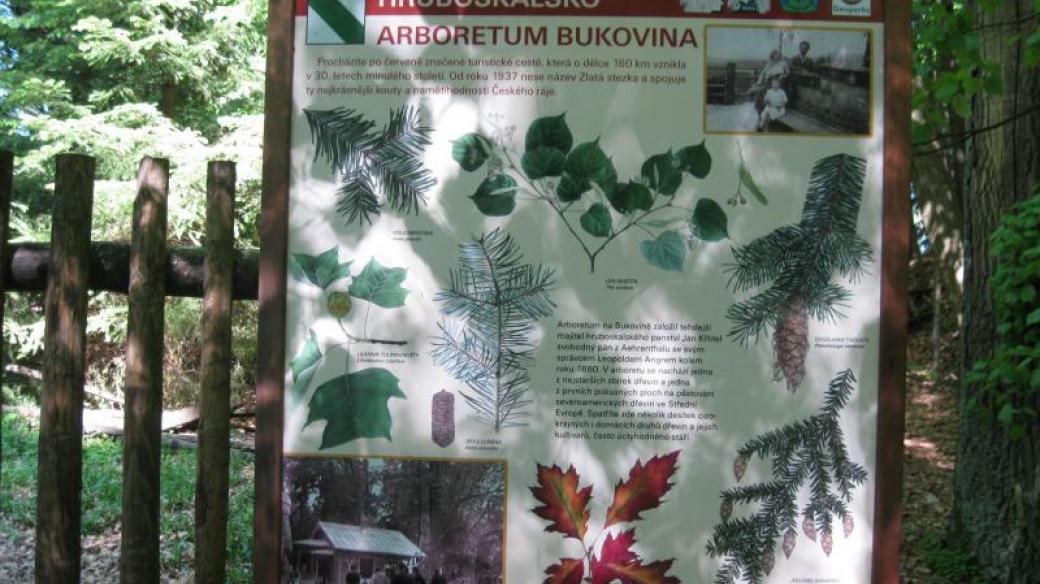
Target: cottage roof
x: 372, y: 540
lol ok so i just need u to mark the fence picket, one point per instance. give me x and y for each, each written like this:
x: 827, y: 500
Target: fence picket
x: 211, y: 496
x: 139, y: 560
x: 60, y: 471
x: 6, y: 187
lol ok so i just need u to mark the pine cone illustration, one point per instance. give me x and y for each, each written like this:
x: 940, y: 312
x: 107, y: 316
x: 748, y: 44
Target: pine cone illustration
x: 809, y: 527
x: 726, y: 509
x: 791, y: 343
x: 848, y: 524
x: 827, y: 542
x: 739, y: 467
x: 789, y: 542
x: 443, y: 430
x: 768, y: 561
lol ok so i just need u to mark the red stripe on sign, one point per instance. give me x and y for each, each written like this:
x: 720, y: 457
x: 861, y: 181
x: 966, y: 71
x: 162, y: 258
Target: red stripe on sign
x: 301, y: 7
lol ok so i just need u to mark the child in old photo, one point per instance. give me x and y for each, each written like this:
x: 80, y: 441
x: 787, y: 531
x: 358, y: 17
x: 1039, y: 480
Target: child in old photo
x: 775, y: 104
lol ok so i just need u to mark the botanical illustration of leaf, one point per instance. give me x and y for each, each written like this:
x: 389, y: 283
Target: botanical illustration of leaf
x: 304, y: 365
x: 616, y: 551
x: 695, y: 160
x: 749, y: 182
x: 637, y: 573
x: 496, y: 196
x: 543, y: 162
x: 667, y: 252
x: 471, y: 151
x: 571, y: 189
x: 710, y: 222
x: 380, y: 285
x: 355, y: 406
x: 630, y: 197
x: 596, y: 221
x: 549, y: 132
x: 588, y: 163
x: 564, y: 504
x: 644, y: 489
x: 662, y: 173
x: 568, y: 571
x: 320, y: 270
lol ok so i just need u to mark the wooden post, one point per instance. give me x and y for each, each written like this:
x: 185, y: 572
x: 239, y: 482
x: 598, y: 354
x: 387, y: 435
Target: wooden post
x: 6, y: 187
x: 60, y: 471
x: 211, y: 495
x: 139, y: 562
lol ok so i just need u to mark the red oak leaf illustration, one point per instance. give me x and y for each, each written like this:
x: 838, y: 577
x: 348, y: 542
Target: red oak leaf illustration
x: 616, y: 551
x: 564, y: 504
x: 568, y: 571
x: 645, y: 488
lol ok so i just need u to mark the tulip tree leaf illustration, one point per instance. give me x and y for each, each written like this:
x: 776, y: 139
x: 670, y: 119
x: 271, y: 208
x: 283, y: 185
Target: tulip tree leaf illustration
x: 321, y: 270
x: 710, y: 222
x: 630, y: 197
x: 543, y: 162
x: 662, y: 173
x: 304, y: 365
x: 355, y: 406
x: 667, y: 252
x: 496, y: 196
x: 589, y: 163
x: 380, y: 285
x: 471, y: 151
x: 549, y: 132
x: 695, y: 160
x: 596, y: 221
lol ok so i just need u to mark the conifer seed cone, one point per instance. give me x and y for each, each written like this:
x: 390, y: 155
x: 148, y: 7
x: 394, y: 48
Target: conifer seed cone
x: 791, y: 343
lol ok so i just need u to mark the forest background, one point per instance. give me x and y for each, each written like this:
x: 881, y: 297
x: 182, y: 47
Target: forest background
x: 183, y: 79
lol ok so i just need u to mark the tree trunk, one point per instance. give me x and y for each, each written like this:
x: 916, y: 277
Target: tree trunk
x: 997, y: 481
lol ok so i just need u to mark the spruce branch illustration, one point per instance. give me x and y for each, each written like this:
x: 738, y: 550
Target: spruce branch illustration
x: 800, y: 261
x: 810, y: 454
x: 492, y: 303
x: 377, y: 170
x: 580, y: 185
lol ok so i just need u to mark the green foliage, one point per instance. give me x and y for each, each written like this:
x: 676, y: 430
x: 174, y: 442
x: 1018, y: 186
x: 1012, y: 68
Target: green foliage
x: 949, y: 560
x: 102, y: 494
x: 1010, y: 381
x: 554, y: 171
x: 495, y: 301
x: 355, y: 406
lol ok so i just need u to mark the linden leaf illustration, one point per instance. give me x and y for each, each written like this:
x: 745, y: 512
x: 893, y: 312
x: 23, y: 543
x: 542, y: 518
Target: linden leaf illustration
x: 571, y: 189
x: 564, y: 504
x: 496, y: 196
x: 695, y: 160
x: 380, y: 285
x: 616, y: 551
x: 320, y: 270
x: 710, y: 222
x: 355, y: 406
x: 588, y: 162
x: 549, y: 132
x: 631, y: 197
x: 662, y: 173
x: 471, y: 151
x: 596, y: 221
x: 667, y: 252
x: 543, y: 162
x: 304, y: 365
x: 568, y: 571
x: 645, y: 488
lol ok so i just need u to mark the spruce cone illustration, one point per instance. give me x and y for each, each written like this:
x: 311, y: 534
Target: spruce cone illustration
x: 492, y: 305
x: 808, y: 455
x: 377, y: 170
x: 565, y: 504
x: 443, y: 431
x: 793, y: 268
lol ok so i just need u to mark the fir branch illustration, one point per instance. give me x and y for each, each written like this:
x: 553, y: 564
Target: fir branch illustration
x: 377, y: 170
x: 809, y: 451
x: 800, y: 261
x: 494, y: 301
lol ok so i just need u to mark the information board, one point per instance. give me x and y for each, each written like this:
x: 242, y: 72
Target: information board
x: 583, y: 291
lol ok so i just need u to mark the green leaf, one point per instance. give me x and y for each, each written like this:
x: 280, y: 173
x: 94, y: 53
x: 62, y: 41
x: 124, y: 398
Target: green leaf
x: 471, y: 151
x: 695, y: 160
x: 550, y: 132
x: 710, y: 222
x: 1006, y: 414
x: 662, y: 173
x: 321, y: 270
x: 629, y: 197
x: 667, y: 252
x: 543, y: 162
x: 596, y: 221
x: 749, y: 182
x: 380, y: 285
x: 355, y: 406
x: 588, y: 163
x: 571, y: 189
x: 304, y: 365
x: 496, y: 196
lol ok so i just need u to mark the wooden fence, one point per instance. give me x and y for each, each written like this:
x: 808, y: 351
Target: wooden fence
x: 147, y: 271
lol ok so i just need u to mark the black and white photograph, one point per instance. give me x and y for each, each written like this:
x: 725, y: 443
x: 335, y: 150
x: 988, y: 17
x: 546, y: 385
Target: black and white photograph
x: 393, y: 521
x: 788, y: 80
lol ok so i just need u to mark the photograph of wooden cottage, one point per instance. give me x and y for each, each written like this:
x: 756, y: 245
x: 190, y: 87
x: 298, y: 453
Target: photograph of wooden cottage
x: 328, y: 555
x: 427, y: 515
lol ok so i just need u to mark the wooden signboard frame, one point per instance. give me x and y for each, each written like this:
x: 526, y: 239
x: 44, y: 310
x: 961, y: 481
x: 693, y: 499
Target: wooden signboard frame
x: 273, y: 271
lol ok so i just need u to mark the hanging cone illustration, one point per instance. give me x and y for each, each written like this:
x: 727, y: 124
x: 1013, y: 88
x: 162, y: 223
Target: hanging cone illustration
x: 791, y: 344
x: 443, y: 430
